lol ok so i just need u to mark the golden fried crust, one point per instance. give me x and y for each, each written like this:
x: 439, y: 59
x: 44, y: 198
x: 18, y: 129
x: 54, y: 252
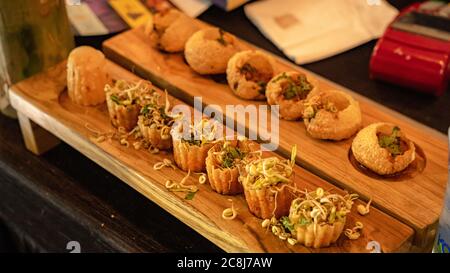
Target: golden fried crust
x: 323, y: 236
x: 226, y: 181
x: 262, y: 203
x: 248, y: 89
x: 290, y: 109
x: 334, y: 126
x: 206, y: 54
x: 190, y: 157
x: 172, y: 30
x: 153, y: 136
x: 367, y: 151
x: 86, y: 77
x: 123, y: 116
x: 223, y: 181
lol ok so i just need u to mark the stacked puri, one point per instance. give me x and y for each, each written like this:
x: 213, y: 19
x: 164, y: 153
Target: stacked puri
x: 86, y: 76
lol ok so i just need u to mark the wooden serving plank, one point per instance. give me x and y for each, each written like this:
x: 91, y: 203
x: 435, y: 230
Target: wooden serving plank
x: 416, y: 201
x: 40, y: 99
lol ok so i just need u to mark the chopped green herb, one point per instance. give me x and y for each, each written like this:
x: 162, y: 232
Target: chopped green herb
x: 263, y: 86
x: 228, y: 162
x: 304, y: 221
x: 391, y: 142
x: 192, y: 141
x: 287, y: 223
x: 145, y: 110
x: 190, y: 195
x: 291, y: 91
x: 299, y: 88
x: 115, y: 99
x: 230, y: 155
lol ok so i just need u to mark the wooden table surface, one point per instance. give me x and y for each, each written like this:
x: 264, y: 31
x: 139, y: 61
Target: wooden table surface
x: 50, y: 200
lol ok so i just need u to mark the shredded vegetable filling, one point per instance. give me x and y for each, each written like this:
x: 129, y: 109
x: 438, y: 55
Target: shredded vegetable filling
x: 158, y: 116
x: 198, y: 133
x: 128, y: 93
x: 320, y: 207
x: 265, y: 172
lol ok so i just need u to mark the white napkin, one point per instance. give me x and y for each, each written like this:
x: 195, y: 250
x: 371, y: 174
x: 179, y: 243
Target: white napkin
x: 192, y: 8
x: 311, y: 30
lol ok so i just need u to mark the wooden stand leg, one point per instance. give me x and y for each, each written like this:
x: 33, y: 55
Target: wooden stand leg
x: 37, y: 140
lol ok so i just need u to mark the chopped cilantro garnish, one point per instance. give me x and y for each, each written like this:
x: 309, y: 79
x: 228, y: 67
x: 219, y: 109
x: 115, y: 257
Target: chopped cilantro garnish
x: 190, y: 195
x: 115, y: 99
x: 145, y: 110
x: 286, y: 222
x: 391, y: 142
x: 230, y: 155
x: 304, y: 221
x: 297, y: 88
x: 263, y: 86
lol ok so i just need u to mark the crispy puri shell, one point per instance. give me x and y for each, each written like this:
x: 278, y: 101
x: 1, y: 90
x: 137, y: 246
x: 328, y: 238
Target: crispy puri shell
x: 334, y: 126
x: 122, y: 116
x: 325, y: 234
x: 206, y: 55
x: 175, y: 29
x: 223, y: 181
x: 190, y: 157
x: 86, y: 77
x: 226, y: 181
x: 262, y: 203
x: 367, y: 151
x: 153, y: 136
x: 242, y: 87
x: 289, y: 109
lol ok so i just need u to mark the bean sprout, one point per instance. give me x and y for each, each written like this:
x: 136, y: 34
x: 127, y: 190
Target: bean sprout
x: 229, y: 213
x: 165, y: 163
x: 181, y: 187
x: 364, y: 210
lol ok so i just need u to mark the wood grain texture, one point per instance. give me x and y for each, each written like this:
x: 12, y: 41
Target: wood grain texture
x: 52, y: 109
x: 36, y: 139
x: 416, y: 201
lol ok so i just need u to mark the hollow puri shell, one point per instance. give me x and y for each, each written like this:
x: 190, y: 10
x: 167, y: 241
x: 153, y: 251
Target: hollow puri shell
x: 324, y: 235
x: 341, y: 123
x: 226, y: 180
x: 223, y: 181
x: 290, y: 109
x: 121, y: 115
x: 248, y: 73
x: 154, y: 135
x: 172, y: 29
x: 263, y: 204
x: 86, y: 76
x: 190, y: 157
x: 367, y: 150
x: 209, y: 50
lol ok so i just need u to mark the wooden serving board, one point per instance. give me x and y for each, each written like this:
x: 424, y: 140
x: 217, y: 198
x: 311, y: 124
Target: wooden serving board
x: 42, y: 99
x: 416, y: 201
